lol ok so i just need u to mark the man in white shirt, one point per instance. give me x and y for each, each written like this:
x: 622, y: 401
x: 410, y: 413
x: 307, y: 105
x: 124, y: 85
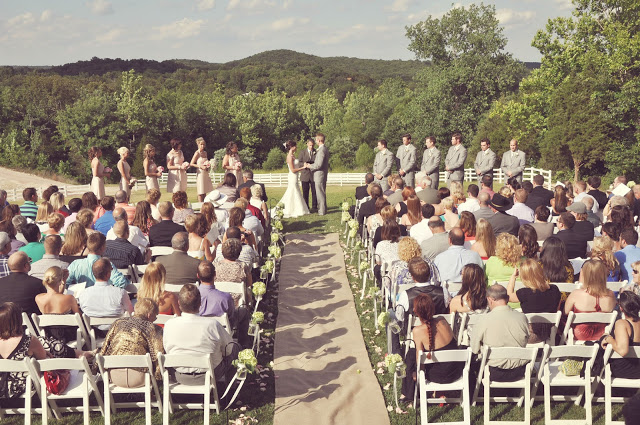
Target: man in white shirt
x: 580, y: 189
x: 103, y: 299
x: 250, y: 221
x: 520, y: 209
x: 196, y: 335
x: 421, y: 231
x: 471, y: 204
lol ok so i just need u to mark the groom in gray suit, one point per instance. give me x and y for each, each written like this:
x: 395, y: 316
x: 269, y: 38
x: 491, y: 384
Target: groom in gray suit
x: 320, y: 169
x: 406, y: 159
x: 431, y: 161
x: 513, y: 161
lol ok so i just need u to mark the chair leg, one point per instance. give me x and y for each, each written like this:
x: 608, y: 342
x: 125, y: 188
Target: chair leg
x: 424, y: 419
x: 607, y: 397
x: 85, y: 400
x: 547, y: 399
x: 108, y: 401
x: 207, y: 397
x: 487, y: 397
x: 147, y: 399
x: 27, y: 404
x: 587, y: 405
x: 166, y: 400
x: 527, y: 401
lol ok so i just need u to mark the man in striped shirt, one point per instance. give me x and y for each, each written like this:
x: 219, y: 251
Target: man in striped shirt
x: 29, y: 209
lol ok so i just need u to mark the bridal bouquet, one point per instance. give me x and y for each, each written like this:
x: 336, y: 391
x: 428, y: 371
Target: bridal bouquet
x: 395, y: 364
x: 160, y: 169
x: 206, y: 165
x: 184, y: 165
x: 107, y: 170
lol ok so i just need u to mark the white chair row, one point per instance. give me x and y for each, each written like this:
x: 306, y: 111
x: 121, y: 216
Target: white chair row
x: 84, y: 384
x: 543, y: 365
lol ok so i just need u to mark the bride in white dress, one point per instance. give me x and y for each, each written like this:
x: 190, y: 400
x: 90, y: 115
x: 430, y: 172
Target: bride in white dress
x: 294, y: 205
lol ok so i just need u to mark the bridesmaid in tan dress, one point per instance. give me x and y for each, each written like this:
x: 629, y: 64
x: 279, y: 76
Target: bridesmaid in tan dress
x: 98, y: 171
x: 177, y: 179
x: 231, y: 162
x: 201, y: 162
x: 151, y: 170
x: 125, y: 170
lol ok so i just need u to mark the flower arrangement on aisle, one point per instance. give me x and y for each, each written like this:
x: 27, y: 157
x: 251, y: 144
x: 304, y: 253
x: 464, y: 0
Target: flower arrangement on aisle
x: 398, y: 369
x: 345, y: 212
x: 259, y: 289
x: 254, y: 326
x: 245, y: 363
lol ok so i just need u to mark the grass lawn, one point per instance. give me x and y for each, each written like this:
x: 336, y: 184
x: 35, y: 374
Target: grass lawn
x: 258, y: 395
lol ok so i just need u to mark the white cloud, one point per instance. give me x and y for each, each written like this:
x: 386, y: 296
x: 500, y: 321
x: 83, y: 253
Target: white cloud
x: 183, y: 28
x: 205, y: 4
x: 24, y: 19
x: 227, y: 18
x: 46, y: 15
x: 286, y: 23
x: 400, y: 5
x: 564, y: 4
x: 340, y: 36
x: 110, y: 36
x: 101, y: 7
x: 256, y: 4
x: 514, y: 17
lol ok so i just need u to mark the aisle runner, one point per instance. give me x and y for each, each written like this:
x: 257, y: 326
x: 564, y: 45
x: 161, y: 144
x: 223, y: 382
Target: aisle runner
x: 319, y: 346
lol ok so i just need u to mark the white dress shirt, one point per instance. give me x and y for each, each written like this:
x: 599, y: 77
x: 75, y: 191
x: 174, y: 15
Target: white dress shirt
x: 136, y: 237
x: 421, y: 231
x: 471, y: 205
x: 193, y: 334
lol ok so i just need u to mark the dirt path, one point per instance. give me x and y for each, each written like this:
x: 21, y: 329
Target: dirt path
x: 10, y: 179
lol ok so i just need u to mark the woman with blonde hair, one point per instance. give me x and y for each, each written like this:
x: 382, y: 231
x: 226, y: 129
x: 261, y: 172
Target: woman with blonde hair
x: 75, y: 241
x: 85, y: 218
x: 125, y: 170
x: 152, y: 287
x: 449, y: 217
x: 256, y: 200
x: 593, y: 297
x: 151, y: 170
x: 501, y: 266
x: 634, y: 285
x: 457, y: 193
x: 57, y: 202
x: 408, y: 248
x: 44, y: 209
x: 387, y: 213
x: 202, y: 164
x: 375, y: 220
x: 414, y: 212
x: 537, y: 296
x: 55, y: 221
x: 54, y: 301
x: 485, y: 244
x: 602, y: 250
x: 506, y: 192
x: 199, y: 245
x: 98, y: 171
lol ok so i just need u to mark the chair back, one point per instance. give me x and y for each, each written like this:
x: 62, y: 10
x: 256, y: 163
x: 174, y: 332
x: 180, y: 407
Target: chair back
x: 26, y: 322
x: 446, y: 356
x: 80, y: 364
x: 185, y: 360
x: 106, y: 363
x: 162, y: 319
x: 511, y: 353
x: 158, y: 251
x: 224, y: 321
x: 567, y: 287
x: 585, y: 352
x: 548, y: 318
x: 43, y: 321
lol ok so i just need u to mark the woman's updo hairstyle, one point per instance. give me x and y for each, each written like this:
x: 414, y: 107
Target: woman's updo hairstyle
x: 52, y: 277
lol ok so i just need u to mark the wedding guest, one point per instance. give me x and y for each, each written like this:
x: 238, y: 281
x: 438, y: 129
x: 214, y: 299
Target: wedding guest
x: 528, y: 239
x: 153, y: 288
x: 628, y: 253
x: 57, y: 202
x: 44, y: 209
x: 592, y: 297
x: 485, y: 244
x: 401, y: 205
x: 438, y: 243
x: 199, y: 245
x: 10, y: 227
x: 388, y: 214
x: 612, y: 230
x: 5, y: 247
x: 250, y: 221
x: 75, y: 241
x: 247, y: 254
x: 451, y: 261
x: 122, y: 252
x: 543, y: 227
x: 85, y: 219
x: 508, y: 254
x: 245, y: 193
x: 449, y: 217
x: 408, y: 248
x: 34, y: 248
x: 634, y: 285
x: 414, y: 213
x: 602, y: 250
x: 161, y: 233
x: 106, y: 221
x: 20, y: 288
x: 374, y: 221
x: 537, y: 296
x: 51, y: 257
x: 215, y: 227
x: 467, y: 223
x: 153, y: 196
x: 247, y: 178
x: 90, y: 202
x: 180, y: 202
x: 228, y: 187
x: 554, y: 261
x: 560, y: 201
x: 75, y: 205
x: 29, y: 209
x: 232, y: 270
x: 55, y: 223
x: 236, y: 219
x: 626, y: 333
x: 82, y: 270
x: 122, y: 201
x: 131, y: 336
x: 472, y: 296
x: 421, y: 231
x: 55, y: 301
x: 143, y: 217
x: 256, y: 200
x: 575, y: 243
x: 180, y: 267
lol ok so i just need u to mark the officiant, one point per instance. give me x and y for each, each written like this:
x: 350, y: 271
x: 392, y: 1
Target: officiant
x: 306, y: 176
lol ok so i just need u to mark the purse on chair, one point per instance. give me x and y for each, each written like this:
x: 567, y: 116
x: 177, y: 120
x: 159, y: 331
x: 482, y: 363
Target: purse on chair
x: 57, y: 381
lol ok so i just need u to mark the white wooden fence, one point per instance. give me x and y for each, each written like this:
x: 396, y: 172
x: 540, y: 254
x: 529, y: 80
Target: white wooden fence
x: 279, y: 180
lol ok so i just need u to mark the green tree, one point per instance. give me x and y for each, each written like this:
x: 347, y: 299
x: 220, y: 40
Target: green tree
x: 365, y: 155
x: 470, y: 69
x: 275, y: 160
x: 131, y: 104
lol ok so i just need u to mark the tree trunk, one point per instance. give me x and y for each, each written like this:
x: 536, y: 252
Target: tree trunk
x: 576, y: 169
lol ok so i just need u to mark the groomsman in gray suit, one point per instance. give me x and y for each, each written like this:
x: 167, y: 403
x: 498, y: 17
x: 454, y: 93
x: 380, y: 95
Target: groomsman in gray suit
x: 320, y: 169
x: 513, y: 161
x: 382, y: 165
x: 485, y: 160
x: 431, y: 161
x: 454, y: 161
x: 406, y: 160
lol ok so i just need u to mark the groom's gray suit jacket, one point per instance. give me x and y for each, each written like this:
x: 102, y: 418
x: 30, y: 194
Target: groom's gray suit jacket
x: 320, y: 169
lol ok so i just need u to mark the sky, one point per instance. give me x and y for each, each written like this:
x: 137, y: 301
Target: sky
x: 46, y: 32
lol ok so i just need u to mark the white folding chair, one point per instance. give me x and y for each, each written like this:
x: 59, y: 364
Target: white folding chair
x: 157, y: 251
x: 139, y: 270
x: 162, y: 319
x: 108, y: 363
x: 552, y: 377
x: 461, y: 384
x: 467, y: 321
x: 89, y: 322
x: 44, y: 321
x: 233, y: 288
x: 172, y: 361
x: 549, y: 318
x: 577, y: 263
x: 81, y: 385
x: 25, y: 366
x: 567, y: 287
x: 616, y: 286
x: 26, y: 322
x: 414, y: 321
x: 611, y: 382
x: 608, y: 319
x: 511, y: 353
